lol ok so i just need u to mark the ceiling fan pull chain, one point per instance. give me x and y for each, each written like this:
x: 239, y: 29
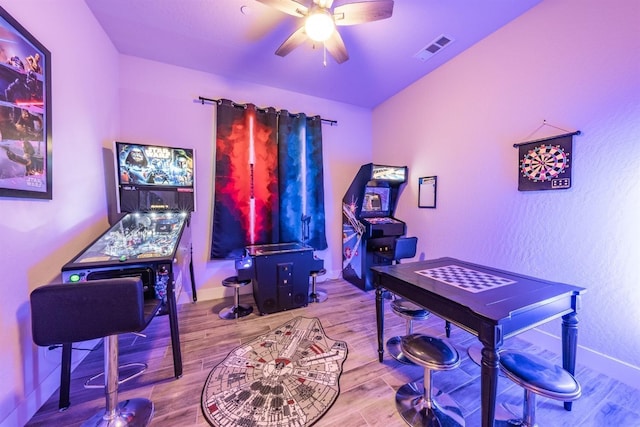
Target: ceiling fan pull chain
x: 324, y: 57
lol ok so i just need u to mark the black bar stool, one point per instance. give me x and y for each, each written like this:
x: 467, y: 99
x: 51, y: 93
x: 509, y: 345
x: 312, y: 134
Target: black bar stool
x: 237, y: 310
x: 537, y: 376
x: 66, y: 313
x: 317, y: 295
x: 421, y: 404
x: 410, y: 312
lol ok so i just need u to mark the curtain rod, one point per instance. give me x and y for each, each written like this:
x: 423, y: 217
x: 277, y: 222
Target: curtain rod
x: 202, y: 99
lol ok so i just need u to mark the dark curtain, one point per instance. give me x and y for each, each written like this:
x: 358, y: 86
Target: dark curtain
x: 268, y: 179
x: 246, y: 179
x: 301, y: 180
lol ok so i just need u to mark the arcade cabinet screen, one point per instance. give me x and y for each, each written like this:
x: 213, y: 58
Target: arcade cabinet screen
x: 376, y: 200
x: 152, y: 177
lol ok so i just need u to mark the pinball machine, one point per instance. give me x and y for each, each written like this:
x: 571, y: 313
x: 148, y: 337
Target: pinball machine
x: 369, y: 226
x: 155, y: 192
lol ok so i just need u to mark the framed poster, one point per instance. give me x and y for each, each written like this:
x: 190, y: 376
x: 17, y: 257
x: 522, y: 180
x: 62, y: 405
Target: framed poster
x: 25, y: 113
x: 427, y: 187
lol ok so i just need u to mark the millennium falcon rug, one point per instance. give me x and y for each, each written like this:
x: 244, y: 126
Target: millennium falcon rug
x: 287, y: 377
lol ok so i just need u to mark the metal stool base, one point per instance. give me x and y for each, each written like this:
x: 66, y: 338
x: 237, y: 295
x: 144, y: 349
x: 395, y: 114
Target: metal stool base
x: 414, y: 409
x: 235, y: 311
x: 131, y: 413
x: 394, y: 347
x: 318, y: 296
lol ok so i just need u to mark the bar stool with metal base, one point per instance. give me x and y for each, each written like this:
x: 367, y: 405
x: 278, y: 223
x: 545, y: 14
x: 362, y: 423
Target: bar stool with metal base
x: 237, y: 310
x: 410, y: 312
x: 537, y: 376
x: 65, y: 313
x: 317, y: 295
x: 419, y: 403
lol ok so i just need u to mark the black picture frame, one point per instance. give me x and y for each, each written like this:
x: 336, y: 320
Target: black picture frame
x: 427, y: 189
x: 25, y: 113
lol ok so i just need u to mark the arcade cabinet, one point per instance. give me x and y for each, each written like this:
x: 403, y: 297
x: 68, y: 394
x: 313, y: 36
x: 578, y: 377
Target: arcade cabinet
x: 280, y: 272
x: 368, y: 224
x: 155, y: 191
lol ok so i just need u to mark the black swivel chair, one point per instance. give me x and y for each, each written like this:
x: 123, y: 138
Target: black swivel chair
x: 67, y: 313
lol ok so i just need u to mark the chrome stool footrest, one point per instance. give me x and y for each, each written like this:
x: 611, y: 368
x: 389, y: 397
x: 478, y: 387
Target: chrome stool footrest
x: 141, y: 368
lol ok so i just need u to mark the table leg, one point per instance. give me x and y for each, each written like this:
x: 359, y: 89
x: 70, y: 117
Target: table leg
x: 175, y: 333
x: 65, y: 378
x: 194, y: 295
x: 489, y: 386
x: 569, y: 345
x: 380, y: 321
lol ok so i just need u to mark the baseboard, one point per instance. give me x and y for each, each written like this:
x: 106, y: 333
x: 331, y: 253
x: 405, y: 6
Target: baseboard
x: 598, y: 362
x: 218, y: 292
x: 28, y: 408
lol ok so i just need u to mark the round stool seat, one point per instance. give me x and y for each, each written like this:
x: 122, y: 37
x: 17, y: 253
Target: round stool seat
x: 431, y: 352
x: 237, y: 310
x: 320, y: 272
x: 539, y: 376
x: 234, y: 282
x: 408, y: 310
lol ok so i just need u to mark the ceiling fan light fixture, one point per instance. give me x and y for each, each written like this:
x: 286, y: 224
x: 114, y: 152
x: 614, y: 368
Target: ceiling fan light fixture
x: 319, y: 25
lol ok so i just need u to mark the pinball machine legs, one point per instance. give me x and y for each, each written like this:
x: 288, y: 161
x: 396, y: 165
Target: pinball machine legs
x: 194, y: 295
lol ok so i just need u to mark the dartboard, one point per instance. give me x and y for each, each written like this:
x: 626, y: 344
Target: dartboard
x: 544, y: 163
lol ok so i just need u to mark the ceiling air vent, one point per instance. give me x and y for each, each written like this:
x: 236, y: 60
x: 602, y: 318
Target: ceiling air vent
x: 434, y: 47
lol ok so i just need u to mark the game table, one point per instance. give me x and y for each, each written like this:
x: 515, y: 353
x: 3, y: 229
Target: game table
x: 489, y: 303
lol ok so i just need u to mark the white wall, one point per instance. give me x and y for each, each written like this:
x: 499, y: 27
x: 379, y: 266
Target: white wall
x: 159, y: 104
x: 576, y: 64
x: 37, y: 237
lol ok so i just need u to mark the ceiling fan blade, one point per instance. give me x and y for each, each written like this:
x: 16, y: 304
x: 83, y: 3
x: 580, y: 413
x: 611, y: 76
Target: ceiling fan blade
x: 336, y: 48
x: 294, y: 40
x: 324, y: 3
x: 361, y: 12
x: 290, y: 7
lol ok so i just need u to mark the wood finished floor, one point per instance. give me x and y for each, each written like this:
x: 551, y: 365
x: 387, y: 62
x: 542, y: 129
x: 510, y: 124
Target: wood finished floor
x: 368, y: 387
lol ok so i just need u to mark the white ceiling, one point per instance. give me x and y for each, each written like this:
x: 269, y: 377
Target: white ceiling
x: 215, y: 36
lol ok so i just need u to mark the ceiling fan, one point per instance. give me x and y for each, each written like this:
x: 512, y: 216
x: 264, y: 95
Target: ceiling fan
x: 320, y: 22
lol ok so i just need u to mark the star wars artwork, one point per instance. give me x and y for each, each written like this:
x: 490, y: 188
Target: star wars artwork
x: 25, y: 116
x: 269, y: 180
